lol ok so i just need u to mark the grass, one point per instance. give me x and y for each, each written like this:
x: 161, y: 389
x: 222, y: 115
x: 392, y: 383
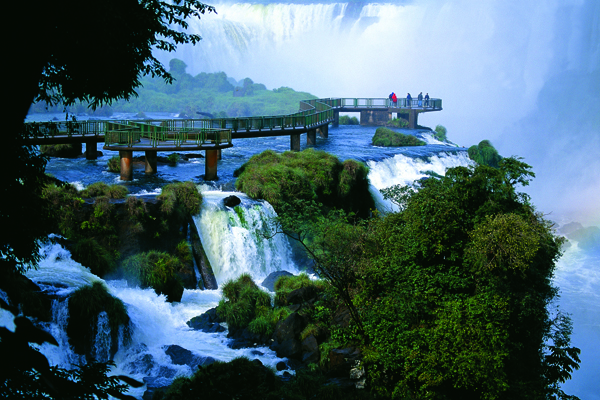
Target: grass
x: 98, y: 189
x: 440, y: 133
x: 157, y: 270
x: 114, y: 164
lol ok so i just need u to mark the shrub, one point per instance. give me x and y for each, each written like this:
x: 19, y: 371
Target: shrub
x: 347, y: 120
x: 388, y: 138
x: 242, y: 302
x: 398, y: 123
x: 308, y: 175
x: 102, y: 189
x: 484, y: 154
x: 93, y: 255
x: 440, y: 133
x: 114, y: 164
x: 179, y: 199
x: 288, y: 283
x: 173, y: 158
x: 84, y: 306
x: 157, y: 270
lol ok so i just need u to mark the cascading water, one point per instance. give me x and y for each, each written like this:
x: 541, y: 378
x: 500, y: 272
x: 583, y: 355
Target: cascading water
x: 234, y: 238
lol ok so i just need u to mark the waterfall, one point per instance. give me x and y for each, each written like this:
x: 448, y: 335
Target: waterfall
x: 403, y: 170
x: 234, y: 238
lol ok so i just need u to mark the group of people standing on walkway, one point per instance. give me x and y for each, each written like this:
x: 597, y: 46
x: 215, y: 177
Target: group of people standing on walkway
x: 409, y: 101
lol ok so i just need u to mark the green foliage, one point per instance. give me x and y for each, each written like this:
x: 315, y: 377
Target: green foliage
x: 157, y: 270
x: 84, y: 306
x: 398, y: 123
x: 65, y: 150
x: 306, y: 175
x: 286, y: 284
x: 485, y: 154
x: 440, y: 133
x: 98, y: 189
x: 242, y: 302
x: 114, y: 164
x: 347, y: 120
x: 454, y: 291
x: 180, y: 199
x: 173, y: 158
x: 388, y: 138
x: 93, y: 255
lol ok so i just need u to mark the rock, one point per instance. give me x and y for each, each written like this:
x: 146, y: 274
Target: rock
x: 154, y: 384
x: 243, y: 338
x: 181, y: 356
x: 231, y: 201
x: 257, y: 353
x: 288, y: 348
x: 269, y: 282
x: 310, y: 350
x: 280, y: 366
x: 207, y: 322
x: 289, y: 328
x: 301, y: 295
x: 342, y: 317
x: 206, y: 272
x: 342, y: 360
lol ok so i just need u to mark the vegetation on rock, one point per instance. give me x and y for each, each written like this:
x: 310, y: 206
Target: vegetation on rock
x: 85, y: 305
x: 309, y: 175
x: 114, y: 164
x: 398, y: 123
x: 440, y: 133
x: 485, y: 154
x: 388, y: 138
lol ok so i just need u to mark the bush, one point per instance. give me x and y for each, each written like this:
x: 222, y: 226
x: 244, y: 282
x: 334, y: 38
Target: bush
x: 347, y: 120
x: 93, y: 255
x: 173, y: 158
x: 288, y: 283
x: 398, y: 123
x: 180, y: 199
x: 485, y: 154
x: 388, y: 138
x: 157, y: 270
x: 114, y: 164
x: 242, y: 302
x: 84, y: 306
x: 440, y: 133
x: 102, y: 189
x: 308, y: 175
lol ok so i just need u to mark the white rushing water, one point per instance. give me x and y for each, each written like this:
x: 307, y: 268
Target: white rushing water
x: 234, y: 238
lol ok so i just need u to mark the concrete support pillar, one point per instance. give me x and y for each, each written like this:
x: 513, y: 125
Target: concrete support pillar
x: 336, y: 119
x: 126, y: 157
x: 323, y: 131
x: 295, y: 142
x: 311, y: 137
x: 151, y: 157
x: 412, y: 119
x: 210, y: 165
x: 91, y: 150
x: 219, y: 155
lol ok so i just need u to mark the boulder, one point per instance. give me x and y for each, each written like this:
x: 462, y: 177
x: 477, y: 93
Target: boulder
x: 310, y: 350
x: 341, y: 361
x: 231, y: 201
x: 280, y: 366
x: 269, y: 282
x: 301, y: 295
x: 286, y: 336
x: 207, y: 322
x: 181, y: 356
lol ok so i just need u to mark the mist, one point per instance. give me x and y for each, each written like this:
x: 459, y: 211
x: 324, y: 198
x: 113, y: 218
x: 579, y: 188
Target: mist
x: 524, y: 74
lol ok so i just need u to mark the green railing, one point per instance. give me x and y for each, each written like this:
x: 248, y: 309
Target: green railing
x: 177, y: 132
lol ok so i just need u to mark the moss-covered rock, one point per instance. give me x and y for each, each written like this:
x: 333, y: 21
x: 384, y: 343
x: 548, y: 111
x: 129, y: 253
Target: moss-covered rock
x: 308, y: 175
x: 85, y: 305
x: 388, y: 138
x: 69, y: 150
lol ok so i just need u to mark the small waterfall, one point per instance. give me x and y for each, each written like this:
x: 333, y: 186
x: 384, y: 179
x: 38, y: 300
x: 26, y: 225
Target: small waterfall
x: 233, y: 238
x: 403, y: 170
x: 102, y: 342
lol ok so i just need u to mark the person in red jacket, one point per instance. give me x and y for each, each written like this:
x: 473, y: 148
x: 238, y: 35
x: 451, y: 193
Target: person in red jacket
x: 394, y: 99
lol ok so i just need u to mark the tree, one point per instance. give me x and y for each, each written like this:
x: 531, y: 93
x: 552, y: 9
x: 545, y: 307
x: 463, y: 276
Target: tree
x: 64, y: 52
x: 455, y: 290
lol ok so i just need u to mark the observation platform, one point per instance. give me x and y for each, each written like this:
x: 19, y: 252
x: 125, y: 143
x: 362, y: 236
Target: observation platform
x: 213, y: 135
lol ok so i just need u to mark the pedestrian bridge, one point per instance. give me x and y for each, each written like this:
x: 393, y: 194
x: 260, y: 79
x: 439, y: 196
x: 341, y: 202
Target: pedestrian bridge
x: 212, y: 135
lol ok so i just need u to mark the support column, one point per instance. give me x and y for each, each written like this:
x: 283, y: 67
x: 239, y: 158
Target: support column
x: 210, y: 165
x: 311, y: 137
x: 323, y: 131
x: 126, y: 157
x: 412, y: 119
x: 336, y: 119
x: 219, y: 155
x: 295, y: 142
x: 151, y: 157
x: 91, y: 150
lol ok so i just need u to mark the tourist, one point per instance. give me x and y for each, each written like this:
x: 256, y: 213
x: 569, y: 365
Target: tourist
x: 420, y: 98
x: 408, y: 100
x: 426, y: 99
x: 394, y: 99
x: 390, y: 97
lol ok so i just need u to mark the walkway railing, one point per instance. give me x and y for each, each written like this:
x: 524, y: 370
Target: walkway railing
x: 178, y: 132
